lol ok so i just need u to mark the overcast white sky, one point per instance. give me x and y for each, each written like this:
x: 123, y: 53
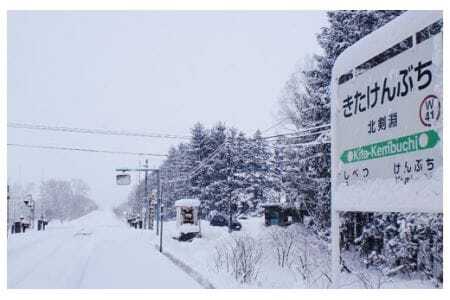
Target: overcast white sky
x: 141, y: 71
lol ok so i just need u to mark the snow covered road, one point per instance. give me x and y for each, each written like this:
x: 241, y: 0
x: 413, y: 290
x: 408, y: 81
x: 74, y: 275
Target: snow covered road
x: 96, y: 251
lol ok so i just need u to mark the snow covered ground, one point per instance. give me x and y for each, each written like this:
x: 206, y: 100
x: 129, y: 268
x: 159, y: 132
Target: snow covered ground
x: 200, y: 254
x: 374, y: 278
x: 95, y: 251
x: 308, y: 264
x: 101, y: 251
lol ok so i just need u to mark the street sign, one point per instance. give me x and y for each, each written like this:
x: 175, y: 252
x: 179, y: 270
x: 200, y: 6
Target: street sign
x: 123, y: 179
x: 387, y: 118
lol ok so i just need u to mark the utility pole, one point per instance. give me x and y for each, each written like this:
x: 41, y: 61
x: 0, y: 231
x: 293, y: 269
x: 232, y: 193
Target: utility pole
x: 161, y: 233
x: 158, y: 201
x: 146, y: 198
x: 229, y: 207
x: 32, y: 208
x: 151, y: 213
x: 8, y: 212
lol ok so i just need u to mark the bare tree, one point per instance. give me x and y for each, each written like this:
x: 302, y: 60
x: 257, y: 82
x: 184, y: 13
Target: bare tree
x: 283, y: 241
x: 314, y: 271
x: 373, y: 278
x: 293, y: 101
x: 65, y: 200
x: 239, y: 256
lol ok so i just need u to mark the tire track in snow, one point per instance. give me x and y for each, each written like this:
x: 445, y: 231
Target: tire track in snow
x: 66, y: 243
x: 92, y: 253
x: 39, y: 238
x: 40, y: 261
x: 85, y: 266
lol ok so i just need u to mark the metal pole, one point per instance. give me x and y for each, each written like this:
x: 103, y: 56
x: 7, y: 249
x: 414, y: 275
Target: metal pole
x: 146, y: 219
x: 8, y: 213
x: 147, y: 204
x: 199, y: 214
x: 32, y: 214
x: 161, y: 233
x: 335, y: 249
x: 13, y: 211
x: 158, y: 201
x: 230, y: 216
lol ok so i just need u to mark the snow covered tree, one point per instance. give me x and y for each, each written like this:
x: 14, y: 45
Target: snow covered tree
x: 259, y: 181
x: 17, y: 207
x: 305, y: 103
x: 396, y: 243
x: 276, y: 168
x: 65, y: 200
x: 220, y: 172
x: 305, y: 100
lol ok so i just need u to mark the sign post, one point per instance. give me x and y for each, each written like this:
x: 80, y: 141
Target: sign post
x: 125, y: 179
x: 387, y: 122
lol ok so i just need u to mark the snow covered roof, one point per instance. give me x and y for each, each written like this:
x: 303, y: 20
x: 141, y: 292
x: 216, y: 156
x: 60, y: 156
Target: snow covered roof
x: 187, y: 202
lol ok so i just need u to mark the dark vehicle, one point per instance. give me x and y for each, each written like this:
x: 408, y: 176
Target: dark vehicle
x: 219, y: 220
x: 243, y: 217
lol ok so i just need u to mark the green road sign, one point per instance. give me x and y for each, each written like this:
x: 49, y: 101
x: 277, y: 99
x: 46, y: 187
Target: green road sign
x: 409, y: 143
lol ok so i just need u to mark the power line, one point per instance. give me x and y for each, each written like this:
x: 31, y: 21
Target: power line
x: 297, y: 134
x: 85, y: 150
x: 94, y: 131
x: 280, y: 122
x: 202, y: 164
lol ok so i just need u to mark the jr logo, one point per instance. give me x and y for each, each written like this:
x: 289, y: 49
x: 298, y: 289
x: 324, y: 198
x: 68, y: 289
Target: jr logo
x: 430, y: 110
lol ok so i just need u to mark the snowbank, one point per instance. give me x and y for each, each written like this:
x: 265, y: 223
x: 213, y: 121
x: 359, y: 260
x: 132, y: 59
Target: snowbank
x: 309, y: 264
x: 200, y: 254
x: 187, y: 203
x: 187, y: 228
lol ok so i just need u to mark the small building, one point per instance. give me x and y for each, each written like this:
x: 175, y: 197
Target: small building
x: 283, y: 215
x: 188, y: 221
x: 275, y: 214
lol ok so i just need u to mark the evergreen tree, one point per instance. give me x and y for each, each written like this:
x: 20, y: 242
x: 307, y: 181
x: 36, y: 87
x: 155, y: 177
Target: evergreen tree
x: 259, y: 169
x: 306, y: 103
x: 199, y: 150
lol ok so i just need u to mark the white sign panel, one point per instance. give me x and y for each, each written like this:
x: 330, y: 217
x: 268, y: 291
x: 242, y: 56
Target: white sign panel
x: 387, y: 119
x: 123, y: 179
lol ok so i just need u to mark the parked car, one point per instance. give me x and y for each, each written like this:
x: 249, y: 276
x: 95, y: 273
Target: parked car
x: 219, y: 220
x: 243, y: 217
x: 236, y: 225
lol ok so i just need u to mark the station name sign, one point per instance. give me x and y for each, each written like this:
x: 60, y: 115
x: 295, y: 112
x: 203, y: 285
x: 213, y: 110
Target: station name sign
x: 387, y: 118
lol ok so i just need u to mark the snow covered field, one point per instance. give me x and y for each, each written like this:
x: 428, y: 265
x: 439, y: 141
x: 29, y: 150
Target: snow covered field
x: 95, y: 251
x: 201, y: 254
x: 101, y: 251
x: 307, y: 265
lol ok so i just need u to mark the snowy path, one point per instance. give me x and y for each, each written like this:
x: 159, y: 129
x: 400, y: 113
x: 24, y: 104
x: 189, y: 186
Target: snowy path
x: 96, y: 251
